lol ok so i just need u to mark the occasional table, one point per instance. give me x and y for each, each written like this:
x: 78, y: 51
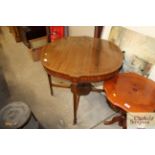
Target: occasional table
x: 129, y: 92
x: 81, y: 60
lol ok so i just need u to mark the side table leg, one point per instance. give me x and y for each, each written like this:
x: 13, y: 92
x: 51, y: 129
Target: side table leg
x: 76, y: 98
x: 121, y: 119
x: 50, y: 83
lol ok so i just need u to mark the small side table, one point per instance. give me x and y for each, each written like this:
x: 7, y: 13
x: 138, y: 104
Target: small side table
x: 129, y: 92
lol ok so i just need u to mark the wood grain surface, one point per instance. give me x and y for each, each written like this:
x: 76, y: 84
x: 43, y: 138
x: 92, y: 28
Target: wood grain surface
x: 131, y: 92
x: 81, y: 58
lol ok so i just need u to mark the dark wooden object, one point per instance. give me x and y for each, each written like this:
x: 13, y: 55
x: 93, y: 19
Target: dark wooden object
x: 31, y: 32
x: 15, y: 31
x: 98, y: 31
x: 26, y: 33
x: 81, y: 60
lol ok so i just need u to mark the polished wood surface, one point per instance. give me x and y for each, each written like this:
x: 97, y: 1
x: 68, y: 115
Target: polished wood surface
x: 131, y: 92
x: 82, y: 59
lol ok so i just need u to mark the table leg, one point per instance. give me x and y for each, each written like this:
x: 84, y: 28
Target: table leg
x: 50, y: 83
x: 121, y: 119
x: 76, y: 98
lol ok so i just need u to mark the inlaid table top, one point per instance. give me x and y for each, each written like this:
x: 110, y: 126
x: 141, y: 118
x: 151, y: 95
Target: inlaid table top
x: 131, y: 92
x: 82, y: 59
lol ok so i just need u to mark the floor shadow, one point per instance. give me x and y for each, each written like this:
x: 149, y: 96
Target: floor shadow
x: 4, y: 90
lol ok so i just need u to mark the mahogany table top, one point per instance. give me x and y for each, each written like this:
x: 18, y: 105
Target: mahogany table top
x: 131, y: 92
x: 82, y: 59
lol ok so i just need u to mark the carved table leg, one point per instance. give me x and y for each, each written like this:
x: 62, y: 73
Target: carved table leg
x: 121, y: 119
x: 50, y: 83
x: 113, y: 120
x: 76, y: 98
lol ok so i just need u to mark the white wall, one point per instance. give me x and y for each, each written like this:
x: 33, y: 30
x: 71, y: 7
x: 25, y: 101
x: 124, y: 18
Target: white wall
x: 149, y: 30
x: 89, y: 30
x: 81, y: 31
x: 106, y: 32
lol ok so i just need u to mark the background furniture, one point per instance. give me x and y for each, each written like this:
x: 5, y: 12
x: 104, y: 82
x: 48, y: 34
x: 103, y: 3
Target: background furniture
x: 15, y: 31
x: 129, y: 92
x: 98, y: 31
x: 81, y: 60
x: 27, y: 33
x: 34, y: 37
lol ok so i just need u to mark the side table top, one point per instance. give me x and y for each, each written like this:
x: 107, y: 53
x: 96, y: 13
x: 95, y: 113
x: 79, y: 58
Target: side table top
x: 81, y: 58
x: 131, y: 92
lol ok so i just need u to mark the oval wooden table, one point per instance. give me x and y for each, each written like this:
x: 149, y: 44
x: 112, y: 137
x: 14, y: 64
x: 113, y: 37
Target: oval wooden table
x: 130, y: 92
x: 81, y: 60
